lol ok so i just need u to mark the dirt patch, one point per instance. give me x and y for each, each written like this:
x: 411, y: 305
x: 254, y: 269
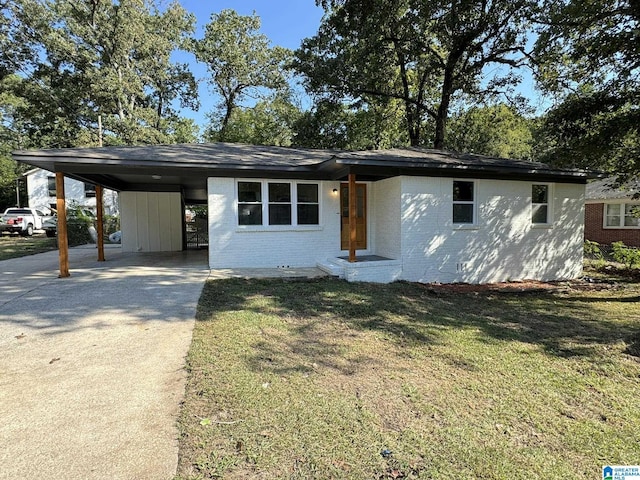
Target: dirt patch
x: 525, y: 286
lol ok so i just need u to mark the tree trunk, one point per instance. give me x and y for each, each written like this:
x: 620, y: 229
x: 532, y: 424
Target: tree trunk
x: 225, y: 122
x: 443, y: 110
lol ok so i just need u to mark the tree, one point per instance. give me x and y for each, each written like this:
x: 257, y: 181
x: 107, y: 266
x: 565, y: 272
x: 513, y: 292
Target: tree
x: 336, y: 125
x: 496, y: 130
x: 268, y: 122
x: 103, y: 69
x: 588, y: 56
x: 240, y: 61
x: 422, y: 53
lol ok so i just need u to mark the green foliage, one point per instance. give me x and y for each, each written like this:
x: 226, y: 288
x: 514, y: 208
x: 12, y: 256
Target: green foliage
x: 335, y: 125
x: 628, y: 255
x: 269, y: 122
x: 241, y: 62
x: 497, y: 130
x: 422, y: 53
x: 99, y: 72
x: 78, y: 223
x: 588, y: 56
x: 592, y: 250
x: 593, y: 129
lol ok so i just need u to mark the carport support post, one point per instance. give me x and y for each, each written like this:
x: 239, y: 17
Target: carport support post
x: 63, y: 239
x: 352, y: 217
x: 100, y: 220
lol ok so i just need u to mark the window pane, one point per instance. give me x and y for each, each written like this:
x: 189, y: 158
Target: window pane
x: 613, y: 221
x: 613, y: 209
x: 89, y: 190
x: 250, y: 214
x: 280, y: 192
x: 279, y: 214
x: 249, y: 192
x: 308, y: 215
x: 539, y: 193
x: 307, y: 193
x: 539, y: 214
x: 462, y: 213
x: 463, y: 191
x: 631, y: 215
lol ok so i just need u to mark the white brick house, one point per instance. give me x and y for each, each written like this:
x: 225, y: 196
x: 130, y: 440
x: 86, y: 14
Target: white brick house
x: 41, y: 190
x: 420, y: 215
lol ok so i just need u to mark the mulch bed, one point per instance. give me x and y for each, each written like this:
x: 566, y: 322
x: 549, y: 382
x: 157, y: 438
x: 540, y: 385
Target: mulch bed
x: 525, y: 286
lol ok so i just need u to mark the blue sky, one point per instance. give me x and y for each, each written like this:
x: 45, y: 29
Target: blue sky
x: 284, y: 22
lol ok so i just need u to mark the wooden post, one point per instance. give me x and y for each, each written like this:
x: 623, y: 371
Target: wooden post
x: 100, y: 226
x: 63, y: 239
x: 353, y: 209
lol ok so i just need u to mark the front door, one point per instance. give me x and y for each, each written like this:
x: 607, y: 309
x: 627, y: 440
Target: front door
x: 361, y: 216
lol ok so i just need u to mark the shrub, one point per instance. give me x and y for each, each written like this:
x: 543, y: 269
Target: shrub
x: 593, y: 250
x: 627, y: 255
x: 78, y: 223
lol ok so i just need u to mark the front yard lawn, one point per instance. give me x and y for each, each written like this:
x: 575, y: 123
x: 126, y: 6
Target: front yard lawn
x: 14, y: 246
x: 326, y: 379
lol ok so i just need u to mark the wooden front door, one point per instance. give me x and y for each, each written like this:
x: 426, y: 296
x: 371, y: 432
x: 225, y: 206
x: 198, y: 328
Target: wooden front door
x: 361, y: 216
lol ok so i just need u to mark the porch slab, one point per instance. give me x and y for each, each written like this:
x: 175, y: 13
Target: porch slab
x: 222, y: 273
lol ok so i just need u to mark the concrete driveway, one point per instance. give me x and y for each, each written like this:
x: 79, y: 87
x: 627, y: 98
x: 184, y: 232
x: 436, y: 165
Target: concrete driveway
x: 92, y: 366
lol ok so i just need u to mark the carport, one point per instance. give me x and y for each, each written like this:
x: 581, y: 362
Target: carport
x: 157, y: 169
x: 172, y: 176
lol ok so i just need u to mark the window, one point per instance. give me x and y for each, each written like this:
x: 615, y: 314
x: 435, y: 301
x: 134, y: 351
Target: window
x: 89, y: 190
x: 622, y: 215
x: 249, y: 203
x: 539, y: 204
x: 51, y: 186
x: 463, y: 202
x: 279, y: 204
x: 287, y: 203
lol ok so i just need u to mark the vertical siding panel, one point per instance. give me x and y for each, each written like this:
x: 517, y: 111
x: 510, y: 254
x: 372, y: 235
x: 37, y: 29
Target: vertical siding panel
x: 153, y: 226
x: 143, y: 221
x: 128, y: 217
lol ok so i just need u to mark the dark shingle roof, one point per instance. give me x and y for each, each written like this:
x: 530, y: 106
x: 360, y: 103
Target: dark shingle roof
x: 607, y: 189
x: 189, y: 165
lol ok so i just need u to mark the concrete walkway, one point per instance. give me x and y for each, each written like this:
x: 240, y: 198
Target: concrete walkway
x: 92, y: 366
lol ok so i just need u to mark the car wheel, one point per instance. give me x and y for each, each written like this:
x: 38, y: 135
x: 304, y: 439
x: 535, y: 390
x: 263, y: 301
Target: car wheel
x: 29, y: 231
x: 50, y: 233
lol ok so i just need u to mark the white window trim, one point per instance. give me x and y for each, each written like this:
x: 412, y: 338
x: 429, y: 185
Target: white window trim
x: 265, y: 206
x: 550, y: 197
x: 466, y: 226
x: 622, y: 204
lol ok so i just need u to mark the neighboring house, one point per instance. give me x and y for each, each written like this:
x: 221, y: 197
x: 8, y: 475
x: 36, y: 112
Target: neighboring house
x: 41, y: 190
x: 612, y: 214
x: 420, y: 215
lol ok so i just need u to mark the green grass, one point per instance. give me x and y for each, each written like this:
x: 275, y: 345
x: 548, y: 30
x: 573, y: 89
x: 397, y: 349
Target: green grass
x: 314, y: 379
x: 14, y: 246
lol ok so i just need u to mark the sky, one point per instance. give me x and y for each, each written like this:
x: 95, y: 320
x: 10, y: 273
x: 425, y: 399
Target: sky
x: 284, y: 22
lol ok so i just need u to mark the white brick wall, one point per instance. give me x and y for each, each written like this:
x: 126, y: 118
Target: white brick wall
x: 410, y: 219
x: 502, y: 246
x: 384, y: 213
x: 233, y: 246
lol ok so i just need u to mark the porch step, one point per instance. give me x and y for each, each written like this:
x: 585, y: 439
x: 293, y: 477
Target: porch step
x: 331, y: 267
